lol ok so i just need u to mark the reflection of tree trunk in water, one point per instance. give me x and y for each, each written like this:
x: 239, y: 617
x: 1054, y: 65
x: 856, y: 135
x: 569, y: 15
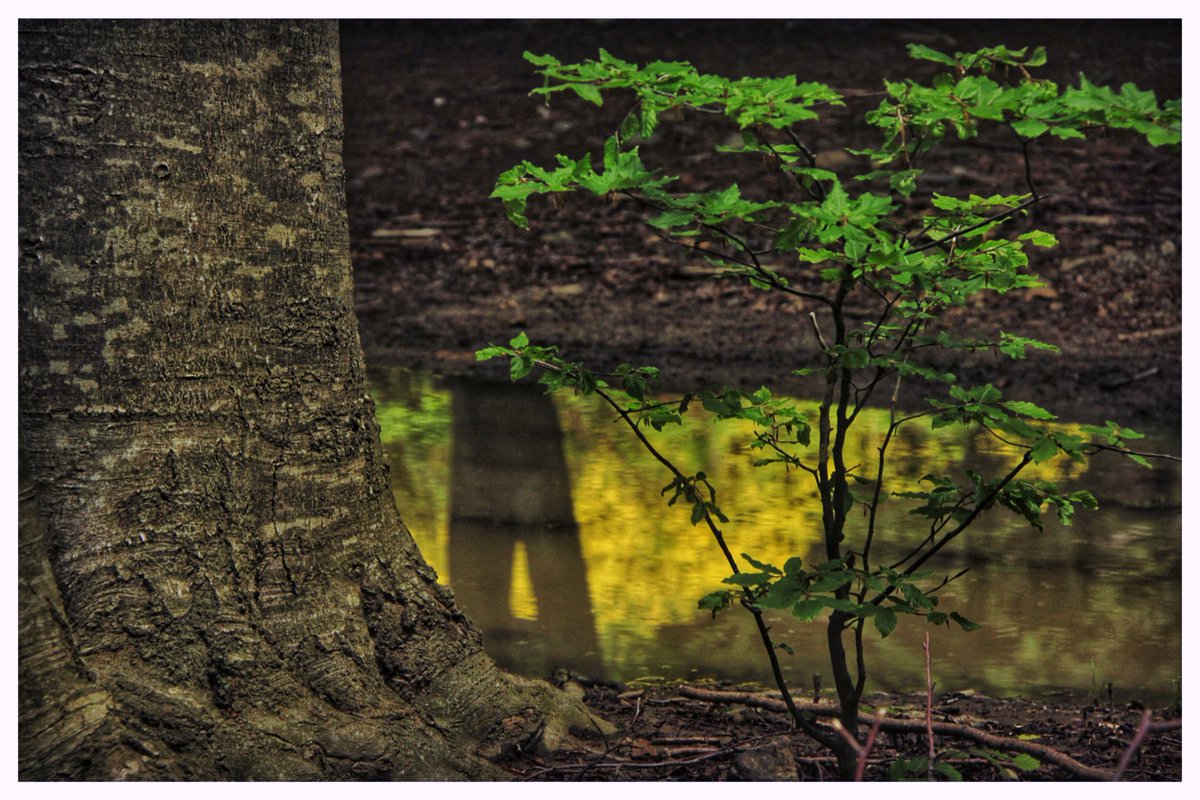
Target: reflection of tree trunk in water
x: 510, y: 485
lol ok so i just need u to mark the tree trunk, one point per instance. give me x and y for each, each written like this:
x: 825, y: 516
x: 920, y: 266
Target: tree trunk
x: 214, y: 581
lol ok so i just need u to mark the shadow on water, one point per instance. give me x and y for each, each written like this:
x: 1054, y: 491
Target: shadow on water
x: 547, y: 521
x: 510, y: 502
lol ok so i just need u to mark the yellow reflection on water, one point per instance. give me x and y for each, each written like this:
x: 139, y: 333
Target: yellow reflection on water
x: 1050, y: 602
x: 522, y: 602
x: 414, y: 424
x: 647, y: 565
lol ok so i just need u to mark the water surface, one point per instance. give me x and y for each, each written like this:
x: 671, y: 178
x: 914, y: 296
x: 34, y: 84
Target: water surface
x: 545, y: 517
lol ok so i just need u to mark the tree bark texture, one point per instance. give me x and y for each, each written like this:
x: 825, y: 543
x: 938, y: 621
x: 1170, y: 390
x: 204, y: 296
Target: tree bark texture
x: 215, y: 583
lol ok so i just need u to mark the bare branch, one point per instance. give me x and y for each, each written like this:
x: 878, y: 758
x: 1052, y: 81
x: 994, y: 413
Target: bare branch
x: 1127, y: 452
x: 962, y: 526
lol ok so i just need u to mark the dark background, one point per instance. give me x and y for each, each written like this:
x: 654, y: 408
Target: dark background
x: 436, y: 110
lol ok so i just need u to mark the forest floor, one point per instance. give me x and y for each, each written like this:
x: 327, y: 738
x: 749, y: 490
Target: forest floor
x: 435, y: 111
x: 678, y: 732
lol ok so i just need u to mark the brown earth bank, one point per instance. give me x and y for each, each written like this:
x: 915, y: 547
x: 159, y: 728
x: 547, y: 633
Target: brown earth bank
x: 721, y: 732
x: 436, y: 110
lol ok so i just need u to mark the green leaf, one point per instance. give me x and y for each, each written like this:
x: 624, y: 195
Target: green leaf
x: 612, y: 153
x: 831, y: 582
x: 1025, y: 762
x: 905, y: 181
x: 815, y: 256
x: 856, y: 358
x: 1039, y: 239
x: 1028, y: 409
x: 649, y: 120
x: 759, y: 565
x: 488, y: 353
x: 964, y: 623
x: 519, y: 341
x: 1030, y: 128
x: 816, y: 173
x: 1066, y: 132
x: 673, y: 218
x: 608, y: 58
x: 916, y: 598
x: 747, y: 579
x: 1015, y: 346
x: 541, y: 61
x: 929, y: 54
x: 520, y: 367
x: 945, y: 202
x: 807, y: 610
x: 885, y: 621
x: 715, y: 601
x: 1160, y: 136
x: 588, y: 92
x: 782, y: 593
x: 855, y: 247
x: 836, y: 202
x: 1137, y: 459
x: 947, y: 770
x: 1044, y: 450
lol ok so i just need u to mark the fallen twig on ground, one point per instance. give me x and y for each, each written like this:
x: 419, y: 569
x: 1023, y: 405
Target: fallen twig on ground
x: 1041, y: 751
x: 689, y: 758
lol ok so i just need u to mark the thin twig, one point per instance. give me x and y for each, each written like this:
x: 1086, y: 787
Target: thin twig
x: 929, y: 707
x: 795, y: 175
x: 984, y: 504
x: 950, y: 237
x: 812, y: 315
x: 754, y: 264
x: 861, y: 751
x: 870, y: 743
x: 1127, y: 452
x: 1127, y: 758
x: 949, y: 579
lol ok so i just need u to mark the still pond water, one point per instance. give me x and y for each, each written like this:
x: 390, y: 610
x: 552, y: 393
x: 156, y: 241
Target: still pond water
x: 545, y: 518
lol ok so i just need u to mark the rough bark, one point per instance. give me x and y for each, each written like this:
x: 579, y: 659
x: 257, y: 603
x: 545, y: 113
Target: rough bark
x: 215, y: 583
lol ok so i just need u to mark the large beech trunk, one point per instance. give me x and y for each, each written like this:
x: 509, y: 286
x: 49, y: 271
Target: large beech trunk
x: 214, y: 579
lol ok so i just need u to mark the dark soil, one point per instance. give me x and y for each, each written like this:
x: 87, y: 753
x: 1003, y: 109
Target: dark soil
x: 667, y: 736
x: 436, y: 110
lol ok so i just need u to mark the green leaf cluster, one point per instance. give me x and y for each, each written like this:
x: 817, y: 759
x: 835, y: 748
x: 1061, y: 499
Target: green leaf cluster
x: 838, y: 585
x: 866, y: 236
x: 995, y: 84
x: 661, y: 85
x: 1112, y: 435
x: 696, y: 490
